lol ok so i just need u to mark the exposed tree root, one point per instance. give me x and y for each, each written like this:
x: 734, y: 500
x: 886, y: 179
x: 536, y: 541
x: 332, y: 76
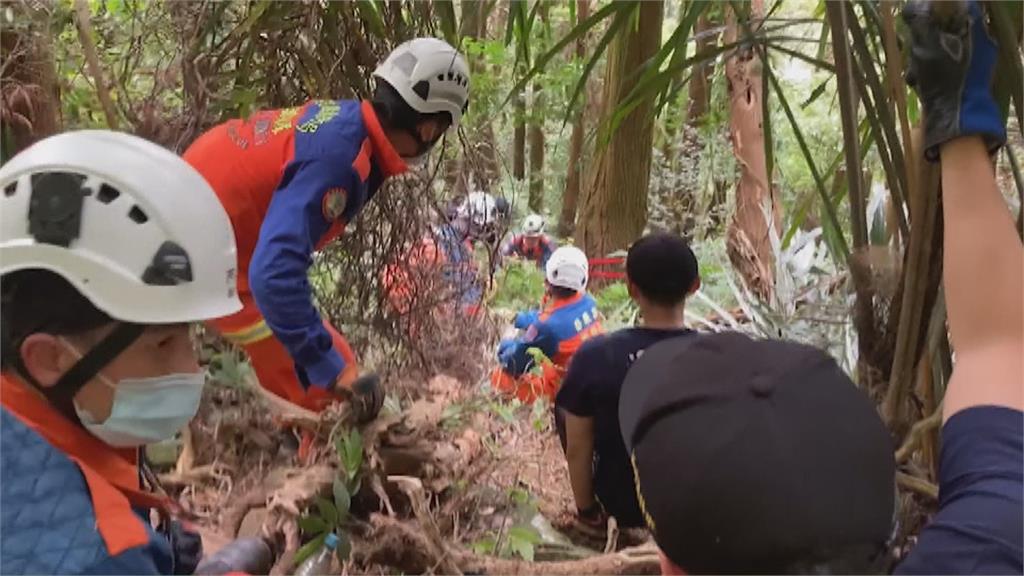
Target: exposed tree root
x: 400, y: 545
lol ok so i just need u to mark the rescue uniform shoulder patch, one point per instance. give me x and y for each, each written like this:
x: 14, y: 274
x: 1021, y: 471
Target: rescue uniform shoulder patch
x: 334, y: 203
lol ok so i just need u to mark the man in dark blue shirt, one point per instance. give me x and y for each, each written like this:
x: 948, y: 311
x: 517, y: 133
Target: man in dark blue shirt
x: 661, y: 272
x: 763, y: 457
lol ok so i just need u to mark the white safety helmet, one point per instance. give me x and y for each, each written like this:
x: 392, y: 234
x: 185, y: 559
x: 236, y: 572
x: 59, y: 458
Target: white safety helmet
x: 129, y: 224
x: 430, y: 75
x: 568, y: 267
x: 533, y: 225
x: 479, y: 208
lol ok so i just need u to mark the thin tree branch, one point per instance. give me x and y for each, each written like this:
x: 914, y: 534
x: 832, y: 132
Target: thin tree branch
x: 92, y: 61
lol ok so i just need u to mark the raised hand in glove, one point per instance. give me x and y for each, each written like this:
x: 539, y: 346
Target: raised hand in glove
x: 523, y: 320
x: 952, y: 60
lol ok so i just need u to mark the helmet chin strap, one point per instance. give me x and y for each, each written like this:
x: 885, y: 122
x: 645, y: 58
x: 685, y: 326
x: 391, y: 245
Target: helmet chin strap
x: 62, y: 394
x: 422, y: 146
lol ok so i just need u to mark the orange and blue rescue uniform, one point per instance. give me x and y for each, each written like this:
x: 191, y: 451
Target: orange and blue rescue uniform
x: 70, y: 504
x: 536, y: 249
x: 290, y: 181
x: 558, y: 330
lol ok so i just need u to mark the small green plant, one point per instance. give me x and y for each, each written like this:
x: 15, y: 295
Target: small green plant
x: 333, y: 515
x: 519, y: 286
x: 540, y: 415
x: 454, y: 415
x: 522, y: 538
x: 230, y: 367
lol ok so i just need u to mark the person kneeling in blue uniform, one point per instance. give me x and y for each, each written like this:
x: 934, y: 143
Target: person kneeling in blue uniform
x: 568, y: 317
x: 109, y: 247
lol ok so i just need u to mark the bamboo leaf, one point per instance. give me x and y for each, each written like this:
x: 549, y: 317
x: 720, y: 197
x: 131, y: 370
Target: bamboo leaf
x: 510, y: 22
x: 621, y: 18
x: 815, y: 94
x: 657, y: 83
x: 823, y: 39
x: 576, y: 32
x: 371, y: 18
x: 816, y: 62
x: 830, y: 210
x: 766, y: 122
x: 837, y: 18
x: 864, y: 62
x: 445, y: 11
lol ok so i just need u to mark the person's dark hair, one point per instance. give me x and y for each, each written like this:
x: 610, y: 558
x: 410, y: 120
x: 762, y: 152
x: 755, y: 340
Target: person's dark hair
x: 395, y: 113
x: 36, y: 301
x: 561, y: 291
x: 663, y: 268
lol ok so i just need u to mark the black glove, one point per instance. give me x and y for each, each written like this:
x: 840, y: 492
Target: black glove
x: 952, y: 60
x: 367, y: 397
x: 186, y: 546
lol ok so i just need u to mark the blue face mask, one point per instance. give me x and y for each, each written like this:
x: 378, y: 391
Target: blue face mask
x: 147, y: 410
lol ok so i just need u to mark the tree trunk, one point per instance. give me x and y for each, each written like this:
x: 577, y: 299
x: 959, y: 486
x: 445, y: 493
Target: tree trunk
x: 748, y: 239
x: 615, y: 205
x: 571, y: 194
x: 30, y: 100
x: 483, y: 156
x: 519, y: 138
x: 699, y: 88
x: 536, y: 129
x: 697, y: 104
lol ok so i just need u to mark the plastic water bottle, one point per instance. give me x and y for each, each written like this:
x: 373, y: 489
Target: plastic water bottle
x: 321, y: 562
x: 245, y: 555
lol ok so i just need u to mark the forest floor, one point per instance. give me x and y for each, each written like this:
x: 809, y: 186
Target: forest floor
x: 489, y: 475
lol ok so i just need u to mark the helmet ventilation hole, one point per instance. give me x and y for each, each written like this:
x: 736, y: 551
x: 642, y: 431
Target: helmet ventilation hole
x: 10, y: 189
x: 107, y: 194
x: 137, y: 215
x: 422, y: 89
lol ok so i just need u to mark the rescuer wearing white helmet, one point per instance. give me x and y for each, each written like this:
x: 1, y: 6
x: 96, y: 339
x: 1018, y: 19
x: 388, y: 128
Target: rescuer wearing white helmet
x: 110, y: 246
x: 567, y: 317
x: 531, y: 244
x: 291, y: 180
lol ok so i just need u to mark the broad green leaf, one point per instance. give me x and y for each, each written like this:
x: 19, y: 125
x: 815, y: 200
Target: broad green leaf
x: 519, y: 496
x: 353, y: 454
x: 484, y: 546
x: 310, y: 548
x: 344, y: 549
x: 525, y: 533
x: 312, y: 525
x: 521, y: 548
x: 342, y: 499
x: 327, y: 511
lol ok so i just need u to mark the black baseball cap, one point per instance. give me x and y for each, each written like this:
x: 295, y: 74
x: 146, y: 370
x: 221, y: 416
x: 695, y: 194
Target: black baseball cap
x: 755, y: 456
